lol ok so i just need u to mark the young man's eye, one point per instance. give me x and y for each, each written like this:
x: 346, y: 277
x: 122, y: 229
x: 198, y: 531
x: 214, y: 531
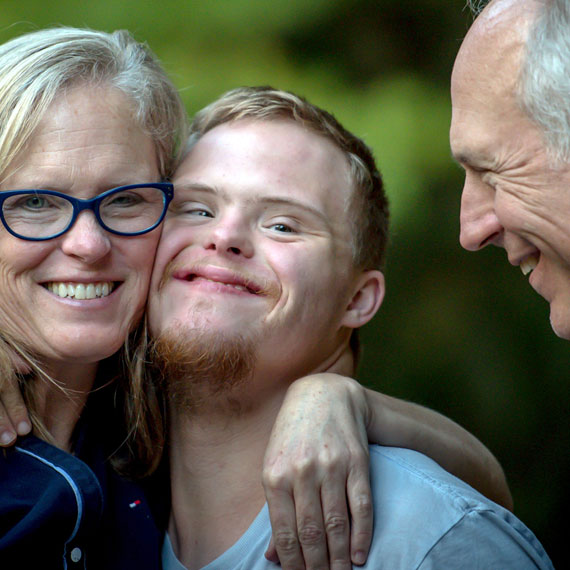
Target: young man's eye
x: 282, y: 228
x: 199, y: 212
x: 191, y: 209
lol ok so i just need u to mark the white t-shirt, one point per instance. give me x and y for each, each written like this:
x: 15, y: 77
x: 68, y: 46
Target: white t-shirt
x: 424, y: 518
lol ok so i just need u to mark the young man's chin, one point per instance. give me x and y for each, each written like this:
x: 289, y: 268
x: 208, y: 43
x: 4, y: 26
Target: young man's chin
x: 200, y: 365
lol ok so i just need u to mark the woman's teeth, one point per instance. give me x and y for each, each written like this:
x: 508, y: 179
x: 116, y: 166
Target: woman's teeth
x: 80, y: 290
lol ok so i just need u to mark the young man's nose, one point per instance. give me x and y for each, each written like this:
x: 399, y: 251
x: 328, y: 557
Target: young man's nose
x: 231, y: 236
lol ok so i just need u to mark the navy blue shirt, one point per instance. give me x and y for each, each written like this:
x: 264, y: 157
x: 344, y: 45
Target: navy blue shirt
x: 59, y: 511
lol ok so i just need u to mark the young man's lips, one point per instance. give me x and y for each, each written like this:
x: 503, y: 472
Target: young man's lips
x: 238, y: 287
x: 220, y: 276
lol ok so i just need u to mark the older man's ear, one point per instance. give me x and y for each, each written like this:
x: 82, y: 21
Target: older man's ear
x: 368, y: 294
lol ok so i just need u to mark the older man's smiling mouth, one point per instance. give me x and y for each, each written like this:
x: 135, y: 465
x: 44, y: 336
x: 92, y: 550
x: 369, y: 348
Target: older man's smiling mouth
x: 80, y: 291
x: 529, y: 263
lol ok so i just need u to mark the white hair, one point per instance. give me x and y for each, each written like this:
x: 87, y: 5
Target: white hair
x: 37, y: 67
x: 543, y: 89
x: 544, y: 83
x: 476, y: 5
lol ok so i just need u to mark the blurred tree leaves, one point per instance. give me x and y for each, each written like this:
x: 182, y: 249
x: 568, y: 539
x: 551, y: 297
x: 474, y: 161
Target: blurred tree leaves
x: 459, y: 332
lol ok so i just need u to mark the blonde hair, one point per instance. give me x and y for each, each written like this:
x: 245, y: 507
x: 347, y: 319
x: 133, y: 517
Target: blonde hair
x: 36, y: 68
x: 145, y: 409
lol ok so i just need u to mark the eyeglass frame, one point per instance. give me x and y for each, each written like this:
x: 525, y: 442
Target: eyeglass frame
x: 79, y: 205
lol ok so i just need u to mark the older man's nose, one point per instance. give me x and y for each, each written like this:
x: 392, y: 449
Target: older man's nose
x: 479, y: 223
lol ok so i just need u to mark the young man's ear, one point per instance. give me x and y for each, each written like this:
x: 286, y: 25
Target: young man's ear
x: 366, y: 299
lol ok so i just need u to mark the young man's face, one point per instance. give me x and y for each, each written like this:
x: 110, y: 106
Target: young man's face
x: 258, y: 242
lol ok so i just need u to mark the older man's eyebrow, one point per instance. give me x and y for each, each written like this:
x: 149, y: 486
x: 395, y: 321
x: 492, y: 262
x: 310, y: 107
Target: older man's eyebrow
x: 462, y: 158
x: 467, y: 160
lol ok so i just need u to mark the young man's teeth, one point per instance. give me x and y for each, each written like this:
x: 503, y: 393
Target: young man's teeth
x: 528, y: 264
x: 81, y: 291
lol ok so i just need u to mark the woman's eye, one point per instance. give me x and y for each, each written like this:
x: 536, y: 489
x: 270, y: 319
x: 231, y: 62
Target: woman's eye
x: 33, y: 203
x: 125, y: 200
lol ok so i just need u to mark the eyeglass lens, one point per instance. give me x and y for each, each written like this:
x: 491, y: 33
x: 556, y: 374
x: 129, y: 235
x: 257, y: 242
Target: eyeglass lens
x: 38, y: 215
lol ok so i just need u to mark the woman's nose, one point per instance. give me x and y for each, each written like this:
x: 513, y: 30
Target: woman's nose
x: 86, y: 239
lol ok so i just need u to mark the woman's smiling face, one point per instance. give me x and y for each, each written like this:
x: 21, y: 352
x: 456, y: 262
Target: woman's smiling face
x: 86, y: 143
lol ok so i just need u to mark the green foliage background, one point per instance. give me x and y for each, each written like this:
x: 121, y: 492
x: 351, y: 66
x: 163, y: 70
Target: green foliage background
x: 459, y: 332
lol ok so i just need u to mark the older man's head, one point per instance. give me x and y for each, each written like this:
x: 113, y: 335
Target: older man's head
x: 510, y: 131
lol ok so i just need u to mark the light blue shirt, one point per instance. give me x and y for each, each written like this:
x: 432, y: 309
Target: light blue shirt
x: 424, y: 518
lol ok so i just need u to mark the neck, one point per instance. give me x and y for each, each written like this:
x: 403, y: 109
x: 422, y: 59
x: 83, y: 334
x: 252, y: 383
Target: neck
x: 59, y: 404
x: 216, y: 462
x: 217, y: 450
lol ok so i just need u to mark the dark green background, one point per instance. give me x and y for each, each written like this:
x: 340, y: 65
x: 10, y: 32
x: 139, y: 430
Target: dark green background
x: 459, y: 332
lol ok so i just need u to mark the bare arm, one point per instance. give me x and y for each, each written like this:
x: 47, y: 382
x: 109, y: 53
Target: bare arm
x: 316, y: 476
x: 316, y: 466
x: 398, y: 423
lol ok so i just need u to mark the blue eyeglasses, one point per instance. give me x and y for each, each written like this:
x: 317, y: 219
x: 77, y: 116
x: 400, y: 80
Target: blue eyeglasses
x: 39, y: 215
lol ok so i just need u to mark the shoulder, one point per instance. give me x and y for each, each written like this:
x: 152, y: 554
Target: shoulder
x: 36, y: 467
x: 422, y: 511
x: 50, y: 502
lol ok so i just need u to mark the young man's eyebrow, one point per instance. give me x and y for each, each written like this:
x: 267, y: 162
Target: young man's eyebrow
x: 268, y: 200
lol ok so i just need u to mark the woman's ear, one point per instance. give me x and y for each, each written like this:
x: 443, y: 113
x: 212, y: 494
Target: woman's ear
x: 366, y: 300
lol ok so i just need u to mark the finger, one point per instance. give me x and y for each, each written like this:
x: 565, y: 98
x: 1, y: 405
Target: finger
x: 15, y: 408
x: 336, y: 522
x: 310, y: 525
x: 284, y: 526
x: 7, y: 430
x: 271, y: 552
x: 361, y: 511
